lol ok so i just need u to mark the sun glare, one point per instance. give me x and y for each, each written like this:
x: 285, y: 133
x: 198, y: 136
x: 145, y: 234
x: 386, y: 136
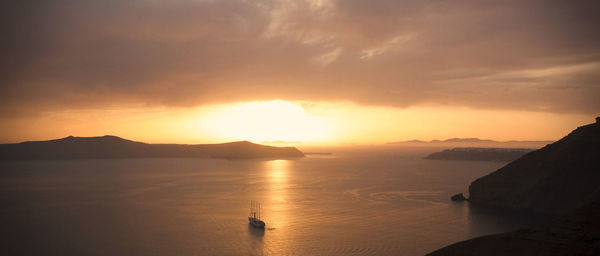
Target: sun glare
x: 267, y: 121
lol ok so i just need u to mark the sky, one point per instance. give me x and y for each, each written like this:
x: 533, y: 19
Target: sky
x: 348, y: 71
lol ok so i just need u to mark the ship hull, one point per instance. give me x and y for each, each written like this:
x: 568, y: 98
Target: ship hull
x: 256, y: 222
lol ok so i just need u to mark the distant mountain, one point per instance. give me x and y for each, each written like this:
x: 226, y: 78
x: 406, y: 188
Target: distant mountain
x: 115, y: 147
x: 473, y: 142
x: 560, y: 179
x: 480, y: 154
x: 280, y: 143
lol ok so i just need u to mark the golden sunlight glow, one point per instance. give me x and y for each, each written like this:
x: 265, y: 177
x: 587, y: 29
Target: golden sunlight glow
x: 267, y: 121
x: 299, y: 122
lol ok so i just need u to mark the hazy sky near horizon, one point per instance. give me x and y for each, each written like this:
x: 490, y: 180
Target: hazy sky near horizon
x: 478, y: 60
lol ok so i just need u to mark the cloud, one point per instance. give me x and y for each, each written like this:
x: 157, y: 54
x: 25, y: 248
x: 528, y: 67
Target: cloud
x: 386, y: 46
x: 68, y: 54
x: 328, y: 57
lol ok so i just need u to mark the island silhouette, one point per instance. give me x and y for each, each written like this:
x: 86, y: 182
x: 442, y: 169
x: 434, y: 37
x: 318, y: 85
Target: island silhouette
x: 472, y: 142
x: 109, y: 146
x: 480, y: 154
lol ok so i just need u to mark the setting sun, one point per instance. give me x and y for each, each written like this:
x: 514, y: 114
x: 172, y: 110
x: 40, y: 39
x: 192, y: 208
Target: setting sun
x: 263, y: 121
x: 311, y: 127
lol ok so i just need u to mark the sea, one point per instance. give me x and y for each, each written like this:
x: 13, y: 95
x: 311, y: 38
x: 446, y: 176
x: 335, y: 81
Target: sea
x: 354, y: 201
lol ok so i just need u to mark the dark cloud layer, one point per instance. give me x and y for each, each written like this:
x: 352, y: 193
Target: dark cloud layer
x: 524, y: 55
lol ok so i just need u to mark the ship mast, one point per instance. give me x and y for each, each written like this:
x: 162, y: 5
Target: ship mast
x: 254, y: 209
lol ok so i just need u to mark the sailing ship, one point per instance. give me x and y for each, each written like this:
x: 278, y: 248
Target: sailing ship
x: 255, y: 215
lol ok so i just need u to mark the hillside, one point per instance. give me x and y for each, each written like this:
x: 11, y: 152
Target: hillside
x: 577, y: 233
x: 552, y: 180
x: 561, y: 179
x: 115, y: 147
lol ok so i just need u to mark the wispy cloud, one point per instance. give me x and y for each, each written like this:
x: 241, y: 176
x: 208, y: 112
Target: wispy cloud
x: 66, y: 54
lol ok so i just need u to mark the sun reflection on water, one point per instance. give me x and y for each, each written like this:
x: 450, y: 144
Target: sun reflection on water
x: 277, y: 174
x: 279, y: 235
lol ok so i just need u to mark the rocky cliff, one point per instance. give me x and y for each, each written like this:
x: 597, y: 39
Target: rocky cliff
x: 552, y: 180
x: 563, y: 177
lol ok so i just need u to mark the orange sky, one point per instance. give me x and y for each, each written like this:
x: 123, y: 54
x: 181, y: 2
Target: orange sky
x: 351, y: 71
x: 310, y: 123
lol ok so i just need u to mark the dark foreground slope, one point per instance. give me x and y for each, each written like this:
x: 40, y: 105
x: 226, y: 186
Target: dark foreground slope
x: 115, y: 147
x: 563, y: 177
x: 577, y: 233
x: 480, y: 154
x: 555, y: 179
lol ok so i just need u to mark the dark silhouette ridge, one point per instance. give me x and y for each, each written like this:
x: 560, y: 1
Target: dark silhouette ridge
x: 480, y: 154
x: 576, y: 233
x: 552, y: 180
x: 563, y: 177
x: 116, y: 147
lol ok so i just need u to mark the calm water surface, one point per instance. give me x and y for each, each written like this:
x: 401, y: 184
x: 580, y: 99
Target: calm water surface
x: 354, y: 202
